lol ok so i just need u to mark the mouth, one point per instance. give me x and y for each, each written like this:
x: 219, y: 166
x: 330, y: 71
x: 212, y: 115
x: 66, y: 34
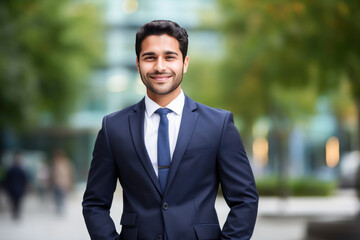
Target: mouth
x: 160, y: 77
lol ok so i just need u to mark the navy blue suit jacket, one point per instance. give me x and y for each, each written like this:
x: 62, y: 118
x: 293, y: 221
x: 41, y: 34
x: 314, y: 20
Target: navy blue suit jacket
x: 209, y: 151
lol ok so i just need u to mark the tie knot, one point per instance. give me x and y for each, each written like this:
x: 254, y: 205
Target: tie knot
x: 163, y: 111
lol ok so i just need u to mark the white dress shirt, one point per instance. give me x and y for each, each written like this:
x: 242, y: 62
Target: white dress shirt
x: 151, y: 125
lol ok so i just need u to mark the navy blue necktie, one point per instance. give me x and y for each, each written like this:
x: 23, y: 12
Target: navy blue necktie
x: 163, y: 148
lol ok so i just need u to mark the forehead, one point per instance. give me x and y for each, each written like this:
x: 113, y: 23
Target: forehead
x: 160, y: 43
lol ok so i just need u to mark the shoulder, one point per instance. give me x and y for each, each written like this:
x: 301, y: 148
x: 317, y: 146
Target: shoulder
x: 209, y: 117
x: 125, y: 112
x: 207, y: 110
x: 212, y: 110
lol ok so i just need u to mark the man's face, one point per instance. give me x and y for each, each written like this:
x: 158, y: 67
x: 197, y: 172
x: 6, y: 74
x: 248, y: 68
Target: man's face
x: 160, y: 65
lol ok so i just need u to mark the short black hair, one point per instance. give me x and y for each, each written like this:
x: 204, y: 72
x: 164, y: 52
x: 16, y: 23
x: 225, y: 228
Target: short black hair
x: 160, y: 27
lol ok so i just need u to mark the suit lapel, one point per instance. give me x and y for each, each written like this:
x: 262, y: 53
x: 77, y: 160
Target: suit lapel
x: 136, y: 123
x: 187, y: 125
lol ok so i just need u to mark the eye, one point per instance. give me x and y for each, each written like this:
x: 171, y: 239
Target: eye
x: 149, y: 58
x: 170, y: 57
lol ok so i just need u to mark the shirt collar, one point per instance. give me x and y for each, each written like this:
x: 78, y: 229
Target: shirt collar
x: 175, y: 105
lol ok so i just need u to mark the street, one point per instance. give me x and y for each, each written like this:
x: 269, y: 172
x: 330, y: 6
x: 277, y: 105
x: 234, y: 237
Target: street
x: 278, y: 219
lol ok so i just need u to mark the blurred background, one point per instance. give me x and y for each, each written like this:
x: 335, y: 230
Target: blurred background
x: 289, y: 70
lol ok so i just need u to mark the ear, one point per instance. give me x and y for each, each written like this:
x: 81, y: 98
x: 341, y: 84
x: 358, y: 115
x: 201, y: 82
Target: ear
x: 138, y: 65
x: 186, y: 64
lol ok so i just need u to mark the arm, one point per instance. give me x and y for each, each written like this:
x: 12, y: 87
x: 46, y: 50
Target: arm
x: 237, y: 184
x: 100, y: 189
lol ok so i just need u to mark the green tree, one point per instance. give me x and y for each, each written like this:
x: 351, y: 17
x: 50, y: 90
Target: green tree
x: 289, y: 44
x: 281, y: 54
x: 47, y: 49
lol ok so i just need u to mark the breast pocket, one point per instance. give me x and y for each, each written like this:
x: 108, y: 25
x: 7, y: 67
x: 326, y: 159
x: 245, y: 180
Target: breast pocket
x: 200, y: 150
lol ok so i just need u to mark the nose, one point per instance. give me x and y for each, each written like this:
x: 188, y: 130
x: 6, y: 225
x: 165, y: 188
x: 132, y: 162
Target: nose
x: 160, y: 65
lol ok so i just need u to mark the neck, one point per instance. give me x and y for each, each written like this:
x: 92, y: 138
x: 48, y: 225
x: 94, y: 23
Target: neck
x: 164, y: 100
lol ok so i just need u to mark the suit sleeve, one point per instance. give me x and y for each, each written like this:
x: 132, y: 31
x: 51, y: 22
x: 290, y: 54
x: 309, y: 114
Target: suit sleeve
x: 100, y: 190
x: 237, y: 184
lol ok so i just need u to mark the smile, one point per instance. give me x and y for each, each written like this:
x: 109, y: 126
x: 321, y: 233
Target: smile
x: 160, y: 78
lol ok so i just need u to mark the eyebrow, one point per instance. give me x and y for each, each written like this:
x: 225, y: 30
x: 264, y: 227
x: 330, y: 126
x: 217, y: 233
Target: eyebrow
x: 166, y: 53
x: 171, y: 52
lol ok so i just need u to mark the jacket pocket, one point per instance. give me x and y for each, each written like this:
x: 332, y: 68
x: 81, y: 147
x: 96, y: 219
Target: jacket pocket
x: 128, y: 219
x: 128, y: 234
x: 207, y: 231
x: 129, y: 230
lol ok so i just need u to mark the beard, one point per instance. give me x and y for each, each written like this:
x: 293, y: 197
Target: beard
x: 162, y: 90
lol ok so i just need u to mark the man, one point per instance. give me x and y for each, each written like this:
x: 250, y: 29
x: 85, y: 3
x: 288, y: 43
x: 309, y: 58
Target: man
x: 169, y: 164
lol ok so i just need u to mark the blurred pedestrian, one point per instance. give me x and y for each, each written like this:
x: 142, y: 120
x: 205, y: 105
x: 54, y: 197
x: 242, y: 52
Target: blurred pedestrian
x: 62, y: 176
x: 43, y: 179
x: 15, y: 183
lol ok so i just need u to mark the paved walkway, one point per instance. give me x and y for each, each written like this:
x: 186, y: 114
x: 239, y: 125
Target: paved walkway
x: 278, y: 219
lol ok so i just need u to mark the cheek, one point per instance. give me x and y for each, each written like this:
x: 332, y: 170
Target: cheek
x: 177, y: 68
x: 144, y: 68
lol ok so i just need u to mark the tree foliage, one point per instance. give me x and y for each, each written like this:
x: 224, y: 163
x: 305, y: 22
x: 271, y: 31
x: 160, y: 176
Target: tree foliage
x: 282, y: 47
x: 47, y: 49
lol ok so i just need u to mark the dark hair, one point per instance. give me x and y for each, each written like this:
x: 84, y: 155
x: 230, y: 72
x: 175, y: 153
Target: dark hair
x: 160, y: 27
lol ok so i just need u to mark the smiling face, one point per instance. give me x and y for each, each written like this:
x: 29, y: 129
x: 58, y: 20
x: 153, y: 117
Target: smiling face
x: 161, y: 67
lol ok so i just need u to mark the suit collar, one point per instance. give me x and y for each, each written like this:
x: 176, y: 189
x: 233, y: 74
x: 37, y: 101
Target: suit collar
x: 187, y: 125
x: 136, y: 123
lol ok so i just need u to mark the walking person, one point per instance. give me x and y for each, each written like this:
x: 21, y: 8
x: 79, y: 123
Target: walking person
x: 15, y: 182
x: 62, y: 177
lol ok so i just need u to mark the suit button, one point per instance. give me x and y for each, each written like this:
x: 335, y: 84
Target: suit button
x: 165, y: 206
x: 159, y: 237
